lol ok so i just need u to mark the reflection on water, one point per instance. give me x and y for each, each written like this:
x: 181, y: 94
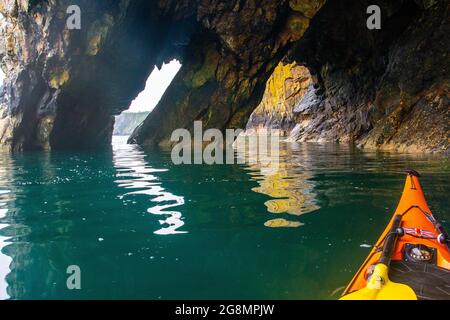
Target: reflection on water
x: 282, y: 223
x: 134, y: 173
x: 287, y: 182
x: 5, y: 198
x: 5, y: 260
x: 107, y: 211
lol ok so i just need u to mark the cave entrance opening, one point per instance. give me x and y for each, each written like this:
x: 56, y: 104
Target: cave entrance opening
x: 155, y: 87
x: 277, y: 111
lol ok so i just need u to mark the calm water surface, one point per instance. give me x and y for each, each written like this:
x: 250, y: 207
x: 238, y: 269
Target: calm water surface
x: 140, y: 227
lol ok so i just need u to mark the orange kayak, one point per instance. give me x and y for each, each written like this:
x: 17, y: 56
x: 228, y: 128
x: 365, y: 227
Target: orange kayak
x: 411, y: 259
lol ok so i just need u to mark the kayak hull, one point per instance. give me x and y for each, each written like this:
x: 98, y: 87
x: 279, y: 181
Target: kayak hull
x: 418, y: 259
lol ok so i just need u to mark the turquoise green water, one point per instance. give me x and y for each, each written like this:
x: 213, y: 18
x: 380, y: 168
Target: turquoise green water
x: 140, y: 227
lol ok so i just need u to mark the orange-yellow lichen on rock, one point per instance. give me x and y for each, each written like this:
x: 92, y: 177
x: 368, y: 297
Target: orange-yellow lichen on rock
x: 97, y: 34
x: 279, y: 88
x: 275, y: 85
x: 307, y: 7
x: 208, y: 69
x: 297, y: 25
x: 284, y: 89
x: 59, y: 78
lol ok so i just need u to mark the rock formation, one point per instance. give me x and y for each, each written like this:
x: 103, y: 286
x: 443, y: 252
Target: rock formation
x: 378, y: 88
x: 386, y: 88
x: 63, y: 87
x: 284, y: 90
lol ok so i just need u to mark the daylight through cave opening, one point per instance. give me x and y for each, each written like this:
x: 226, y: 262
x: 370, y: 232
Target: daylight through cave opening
x: 155, y: 87
x: 373, y: 88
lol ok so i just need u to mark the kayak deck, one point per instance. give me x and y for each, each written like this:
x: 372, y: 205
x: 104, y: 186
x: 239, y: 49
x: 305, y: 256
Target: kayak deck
x: 428, y: 281
x: 413, y: 251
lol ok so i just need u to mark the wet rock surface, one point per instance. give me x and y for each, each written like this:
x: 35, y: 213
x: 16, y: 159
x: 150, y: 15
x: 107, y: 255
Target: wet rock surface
x: 226, y: 67
x: 383, y: 88
x: 284, y: 90
x: 63, y: 87
x: 380, y: 89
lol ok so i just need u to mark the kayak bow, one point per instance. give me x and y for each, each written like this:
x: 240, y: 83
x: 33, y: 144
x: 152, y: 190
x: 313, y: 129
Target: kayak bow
x: 411, y: 259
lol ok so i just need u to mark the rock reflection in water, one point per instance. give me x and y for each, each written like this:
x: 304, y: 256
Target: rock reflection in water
x: 134, y: 173
x: 282, y: 223
x: 286, y: 181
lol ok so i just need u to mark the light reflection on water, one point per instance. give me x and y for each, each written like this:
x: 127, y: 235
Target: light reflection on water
x: 134, y: 173
x: 121, y: 216
x: 5, y: 260
x: 287, y: 183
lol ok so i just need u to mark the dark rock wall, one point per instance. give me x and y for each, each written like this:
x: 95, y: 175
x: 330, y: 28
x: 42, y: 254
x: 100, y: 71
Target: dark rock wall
x: 385, y: 88
x: 226, y: 66
x: 63, y: 87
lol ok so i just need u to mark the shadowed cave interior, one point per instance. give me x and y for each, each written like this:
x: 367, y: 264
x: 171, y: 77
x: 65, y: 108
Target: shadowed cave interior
x: 383, y: 88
